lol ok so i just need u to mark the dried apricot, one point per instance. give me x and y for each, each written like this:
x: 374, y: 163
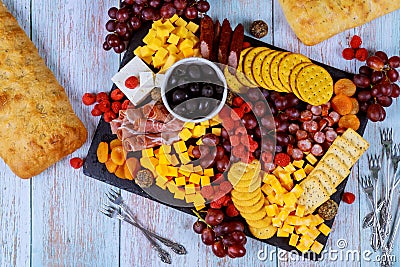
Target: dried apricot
x: 118, y: 155
x: 349, y: 121
x: 342, y: 104
x: 356, y: 106
x: 102, y: 152
x: 133, y: 165
x: 111, y: 166
x: 114, y: 143
x: 120, y: 172
x: 345, y: 86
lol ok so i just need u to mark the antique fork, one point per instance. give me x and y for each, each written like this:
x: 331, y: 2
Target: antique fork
x: 385, y: 214
x: 113, y: 213
x: 116, y: 198
x: 387, y: 257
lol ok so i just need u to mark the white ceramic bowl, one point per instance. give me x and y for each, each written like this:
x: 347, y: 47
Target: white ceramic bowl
x: 196, y: 61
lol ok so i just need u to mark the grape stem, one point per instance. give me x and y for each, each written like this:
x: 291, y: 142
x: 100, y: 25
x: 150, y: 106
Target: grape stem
x: 201, y: 218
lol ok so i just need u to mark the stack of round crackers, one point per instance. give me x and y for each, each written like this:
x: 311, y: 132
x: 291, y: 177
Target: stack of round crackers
x: 285, y: 72
x: 248, y: 198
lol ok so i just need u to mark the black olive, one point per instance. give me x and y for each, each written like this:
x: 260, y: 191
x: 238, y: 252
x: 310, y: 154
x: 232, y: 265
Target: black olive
x: 194, y: 88
x: 207, y: 90
x: 180, y: 109
x: 219, y: 89
x: 173, y: 81
x: 183, y: 82
x: 208, y: 71
x: 194, y: 72
x: 204, y: 107
x: 179, y: 96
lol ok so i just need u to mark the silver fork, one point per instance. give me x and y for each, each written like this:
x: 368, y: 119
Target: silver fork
x: 116, y: 198
x: 113, y: 213
x: 387, y: 143
x: 387, y: 257
x: 374, y: 164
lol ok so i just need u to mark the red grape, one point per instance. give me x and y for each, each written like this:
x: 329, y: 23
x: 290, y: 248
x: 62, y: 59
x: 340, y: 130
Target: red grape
x: 394, y: 62
x: 382, y: 55
x: 148, y: 13
x: 180, y: 4
x: 198, y: 227
x: 385, y: 101
x: 106, y: 46
x: 291, y: 100
x: 374, y: 112
x: 120, y: 48
x: 167, y: 10
x: 238, y: 237
x: 136, y: 23
x: 141, y: 2
x: 203, y: 6
x: 220, y: 153
x: 228, y: 227
x: 208, y: 236
x: 121, y: 29
x: 127, y: 36
x: 191, y: 13
x: 214, y: 217
x: 375, y: 63
x: 155, y: 3
x: 365, y: 70
x: 377, y: 76
x: 393, y: 75
x: 123, y: 14
x: 222, y: 164
x: 110, y: 25
x: 280, y: 103
x: 237, y: 251
x: 112, y: 12
x: 364, y: 96
x: 395, y: 90
x: 259, y: 108
x: 113, y: 40
x: 129, y: 2
x: 218, y: 249
x: 249, y: 121
x: 137, y: 9
x: 362, y: 81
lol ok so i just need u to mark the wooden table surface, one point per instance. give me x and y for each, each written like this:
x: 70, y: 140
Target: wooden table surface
x: 52, y: 219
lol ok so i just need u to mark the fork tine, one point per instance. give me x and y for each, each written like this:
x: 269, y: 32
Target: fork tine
x: 113, y: 193
x: 105, y: 212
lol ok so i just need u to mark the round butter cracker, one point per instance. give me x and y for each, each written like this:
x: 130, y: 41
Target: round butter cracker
x: 274, y: 73
x: 248, y: 62
x: 293, y: 76
x: 264, y: 232
x: 286, y: 66
x: 256, y: 68
x: 243, y: 196
x: 265, y: 71
x: 315, y: 85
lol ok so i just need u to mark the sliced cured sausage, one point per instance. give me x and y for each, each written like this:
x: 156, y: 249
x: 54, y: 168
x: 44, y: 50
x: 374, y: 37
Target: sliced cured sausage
x: 236, y: 46
x: 206, y: 37
x: 224, y: 42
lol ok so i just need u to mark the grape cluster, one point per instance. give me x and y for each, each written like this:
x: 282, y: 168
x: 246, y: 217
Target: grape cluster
x: 132, y: 13
x: 224, y: 237
x: 377, y: 79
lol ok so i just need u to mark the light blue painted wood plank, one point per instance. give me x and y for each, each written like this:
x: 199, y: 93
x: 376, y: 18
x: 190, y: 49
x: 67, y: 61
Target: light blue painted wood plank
x: 15, y: 214
x: 67, y: 229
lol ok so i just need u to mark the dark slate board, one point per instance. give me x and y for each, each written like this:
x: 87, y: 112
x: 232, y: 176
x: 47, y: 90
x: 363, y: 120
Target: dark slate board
x: 97, y: 170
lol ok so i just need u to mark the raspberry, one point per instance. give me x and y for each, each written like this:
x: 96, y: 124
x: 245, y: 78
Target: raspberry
x: 348, y: 53
x: 76, y: 163
x: 207, y: 191
x: 88, y: 99
x: 348, y: 197
x: 239, y: 150
x: 102, y: 96
x: 104, y: 106
x: 225, y: 113
x: 116, y: 107
x: 132, y: 82
x: 266, y: 157
x: 244, y: 139
x: 240, y: 131
x: 246, y: 107
x: 282, y: 159
x: 231, y: 211
x: 117, y: 94
x: 246, y: 45
x: 253, y: 145
x: 214, y: 205
x: 228, y: 124
x: 355, y: 41
x: 235, y: 140
x: 220, y: 198
x: 361, y: 54
x: 237, y: 101
x: 225, y: 187
x: 237, y: 113
x: 109, y: 116
x: 96, y: 111
x: 249, y: 158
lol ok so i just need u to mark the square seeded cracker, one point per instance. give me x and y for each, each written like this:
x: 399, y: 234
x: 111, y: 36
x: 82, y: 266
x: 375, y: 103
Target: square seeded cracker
x: 324, y: 179
x: 355, y: 139
x: 332, y: 161
x: 313, y: 196
x: 342, y: 155
x: 348, y: 147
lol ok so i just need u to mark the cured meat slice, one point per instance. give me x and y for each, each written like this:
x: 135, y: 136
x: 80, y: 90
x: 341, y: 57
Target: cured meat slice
x: 236, y: 46
x: 206, y: 37
x: 224, y: 42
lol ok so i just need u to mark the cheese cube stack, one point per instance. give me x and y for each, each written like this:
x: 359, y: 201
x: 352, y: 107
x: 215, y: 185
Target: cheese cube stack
x: 169, y: 41
x: 171, y: 165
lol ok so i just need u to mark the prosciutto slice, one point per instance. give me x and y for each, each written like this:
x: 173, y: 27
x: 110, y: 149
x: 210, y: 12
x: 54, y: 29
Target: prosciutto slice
x: 143, y: 141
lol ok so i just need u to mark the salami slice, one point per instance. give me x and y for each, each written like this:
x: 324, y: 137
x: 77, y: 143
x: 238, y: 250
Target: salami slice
x: 217, y: 35
x: 224, y: 42
x: 206, y: 37
x: 236, y: 46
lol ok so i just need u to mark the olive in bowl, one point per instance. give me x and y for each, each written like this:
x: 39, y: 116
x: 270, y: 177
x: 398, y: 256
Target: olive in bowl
x: 194, y: 89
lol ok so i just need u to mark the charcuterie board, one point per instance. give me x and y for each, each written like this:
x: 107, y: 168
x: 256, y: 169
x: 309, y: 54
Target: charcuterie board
x: 97, y: 170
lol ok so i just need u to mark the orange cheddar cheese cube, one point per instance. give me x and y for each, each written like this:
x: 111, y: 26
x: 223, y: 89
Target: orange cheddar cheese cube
x: 324, y: 229
x: 189, y: 189
x: 189, y: 198
x: 173, y: 39
x: 209, y: 172
x: 299, y: 175
x: 267, y: 189
x: 313, y: 232
x: 198, y: 131
x: 287, y: 228
x: 311, y: 159
x: 308, y: 169
x: 193, y: 27
x: 162, y: 169
x: 189, y: 125
x: 137, y: 51
x: 198, y: 169
x: 149, y: 163
x: 156, y: 24
x: 184, y: 157
x: 168, y: 25
x: 187, y: 167
x: 179, y: 181
x: 205, y: 180
x: 302, y: 247
x: 306, y: 240
x: 199, y: 199
x: 148, y: 152
x: 195, y: 178
x: 293, y: 220
x: 171, y: 186
x: 303, y: 229
x: 278, y: 170
x: 185, y: 134
x: 156, y: 44
x: 200, y: 207
x: 172, y: 171
x: 179, y: 194
x: 180, y: 147
x: 146, y: 52
x: 165, y: 149
x: 172, y: 49
x: 164, y: 159
x: 297, y: 190
x: 174, y: 18
x: 293, y: 240
x: 216, y: 131
x: 300, y: 210
x: 281, y: 233
x: 283, y: 214
x: 161, y: 183
x: 316, y: 220
x: 174, y: 160
x: 290, y: 199
x: 150, y: 36
x: 276, y: 222
x: 187, y: 43
x: 317, y: 247
x: 180, y: 22
x: 298, y: 163
x: 289, y: 168
x: 272, y: 210
x: 188, y: 52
